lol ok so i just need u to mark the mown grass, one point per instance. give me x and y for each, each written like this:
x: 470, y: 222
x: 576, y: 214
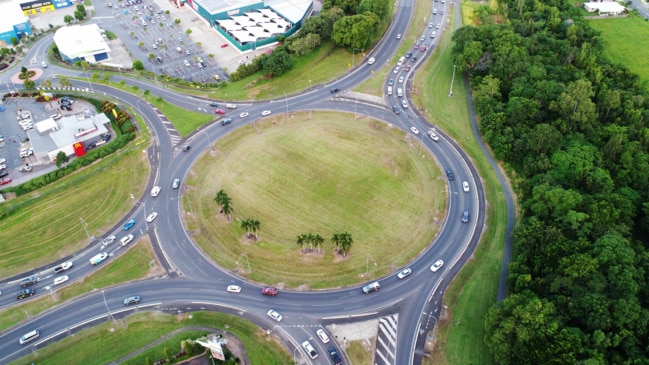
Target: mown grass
x: 460, y: 331
x: 135, y: 264
x: 45, y: 225
x: 358, y: 354
x: 622, y: 37
x: 173, y: 344
x: 106, y: 342
x: 321, y: 174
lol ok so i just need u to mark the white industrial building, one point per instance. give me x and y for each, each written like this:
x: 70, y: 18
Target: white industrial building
x: 604, y: 8
x: 81, y: 42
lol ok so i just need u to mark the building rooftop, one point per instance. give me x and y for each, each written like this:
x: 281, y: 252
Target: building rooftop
x: 80, y: 40
x: 12, y: 14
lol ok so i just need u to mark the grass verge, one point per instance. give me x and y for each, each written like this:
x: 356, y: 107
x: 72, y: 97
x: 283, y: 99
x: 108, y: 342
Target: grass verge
x: 316, y: 173
x: 622, y: 37
x: 106, y: 342
x: 130, y: 266
x: 53, y: 212
x: 460, y: 331
x: 358, y: 354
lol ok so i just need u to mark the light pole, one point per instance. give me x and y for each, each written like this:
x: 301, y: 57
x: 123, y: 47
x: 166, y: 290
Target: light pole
x: 154, y: 75
x: 208, y: 140
x: 84, y: 225
x: 367, y: 263
x: 450, y: 93
x: 106, y: 304
x: 286, y: 100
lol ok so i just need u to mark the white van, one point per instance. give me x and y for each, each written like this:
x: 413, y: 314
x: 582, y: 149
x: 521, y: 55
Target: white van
x: 399, y: 92
x: 389, y: 90
x: 401, y: 60
x: 231, y: 106
x: 31, y: 336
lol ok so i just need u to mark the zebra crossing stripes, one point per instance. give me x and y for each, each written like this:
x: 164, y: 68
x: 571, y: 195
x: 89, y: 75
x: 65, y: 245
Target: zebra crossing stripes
x: 386, y: 341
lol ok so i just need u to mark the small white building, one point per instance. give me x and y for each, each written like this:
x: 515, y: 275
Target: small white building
x: 81, y: 42
x: 605, y: 8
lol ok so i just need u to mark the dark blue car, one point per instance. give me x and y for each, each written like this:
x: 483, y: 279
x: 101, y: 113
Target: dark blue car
x: 129, y: 224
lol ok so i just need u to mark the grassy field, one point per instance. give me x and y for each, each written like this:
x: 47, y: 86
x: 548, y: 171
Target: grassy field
x: 358, y: 354
x: 622, y: 37
x: 107, y: 342
x: 131, y: 266
x: 460, y: 331
x: 46, y: 223
x: 321, y: 175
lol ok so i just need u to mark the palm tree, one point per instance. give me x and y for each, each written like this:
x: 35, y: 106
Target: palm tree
x: 344, y: 241
x: 336, y: 239
x: 221, y: 198
x: 226, y: 209
x: 301, y: 240
x: 254, y: 226
x: 245, y: 225
x: 317, y: 241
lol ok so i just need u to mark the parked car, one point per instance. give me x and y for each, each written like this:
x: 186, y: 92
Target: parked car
x: 335, y: 358
x: 135, y: 299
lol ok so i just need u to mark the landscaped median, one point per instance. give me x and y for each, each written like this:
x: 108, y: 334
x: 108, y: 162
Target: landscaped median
x: 107, y: 342
x: 134, y: 264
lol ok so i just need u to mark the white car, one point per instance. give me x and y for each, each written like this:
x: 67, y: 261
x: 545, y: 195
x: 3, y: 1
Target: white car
x: 404, y: 104
x: 403, y: 273
x: 308, y: 348
x: 433, y: 136
x: 437, y: 265
x: 265, y: 112
x: 274, y: 315
x: 465, y: 186
x: 396, y: 69
x: 322, y: 335
x: 234, y: 289
x: 151, y: 217
x: 414, y: 130
x: 155, y: 191
x: 400, y: 79
x: 399, y: 36
x: 108, y: 240
x: 126, y: 239
x: 186, y: 63
x: 244, y: 114
x: 371, y: 61
x: 61, y: 279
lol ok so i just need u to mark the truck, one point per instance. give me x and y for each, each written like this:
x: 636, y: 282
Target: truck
x: 399, y: 92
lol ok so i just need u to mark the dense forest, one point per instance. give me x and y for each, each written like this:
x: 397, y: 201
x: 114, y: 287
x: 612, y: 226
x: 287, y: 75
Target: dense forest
x: 572, y: 127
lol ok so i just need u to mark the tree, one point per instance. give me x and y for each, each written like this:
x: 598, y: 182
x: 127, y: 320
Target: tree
x: 64, y: 81
x: 61, y: 159
x: 355, y: 32
x: 277, y: 63
x: 79, y: 15
x: 95, y: 76
x: 224, y: 201
x: 576, y: 106
x: 29, y: 84
x: 147, y: 92
x: 343, y: 241
x: 138, y: 65
x: 68, y: 19
x: 301, y: 240
x: 188, y: 31
x: 177, y: 21
x: 81, y: 8
x: 254, y: 226
x: 317, y: 241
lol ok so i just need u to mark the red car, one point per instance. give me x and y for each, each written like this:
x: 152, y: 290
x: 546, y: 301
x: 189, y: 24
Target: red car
x: 423, y: 48
x: 407, y: 68
x: 7, y: 180
x: 269, y: 291
x: 224, y: 45
x: 219, y: 111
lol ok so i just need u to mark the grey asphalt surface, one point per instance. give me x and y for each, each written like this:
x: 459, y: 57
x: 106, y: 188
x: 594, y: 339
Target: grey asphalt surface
x: 200, y: 285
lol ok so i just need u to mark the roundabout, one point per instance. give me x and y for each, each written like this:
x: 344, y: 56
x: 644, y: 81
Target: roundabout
x: 321, y: 174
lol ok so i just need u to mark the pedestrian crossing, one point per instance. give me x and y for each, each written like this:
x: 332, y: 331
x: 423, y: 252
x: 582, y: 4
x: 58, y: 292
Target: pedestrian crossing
x: 386, y: 341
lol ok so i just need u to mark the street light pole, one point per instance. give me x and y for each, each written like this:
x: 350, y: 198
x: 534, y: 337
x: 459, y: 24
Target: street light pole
x: 286, y: 100
x: 106, y: 304
x: 208, y: 140
x: 450, y: 93
x: 84, y: 225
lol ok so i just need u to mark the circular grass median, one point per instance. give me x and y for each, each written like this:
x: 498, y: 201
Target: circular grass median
x: 319, y: 173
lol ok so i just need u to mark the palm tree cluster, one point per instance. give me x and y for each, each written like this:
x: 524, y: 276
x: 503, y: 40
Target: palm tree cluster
x: 225, y: 202
x: 251, y: 226
x: 314, y: 240
x: 343, y: 241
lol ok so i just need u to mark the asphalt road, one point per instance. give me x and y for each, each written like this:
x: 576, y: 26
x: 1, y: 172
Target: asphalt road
x: 195, y: 283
